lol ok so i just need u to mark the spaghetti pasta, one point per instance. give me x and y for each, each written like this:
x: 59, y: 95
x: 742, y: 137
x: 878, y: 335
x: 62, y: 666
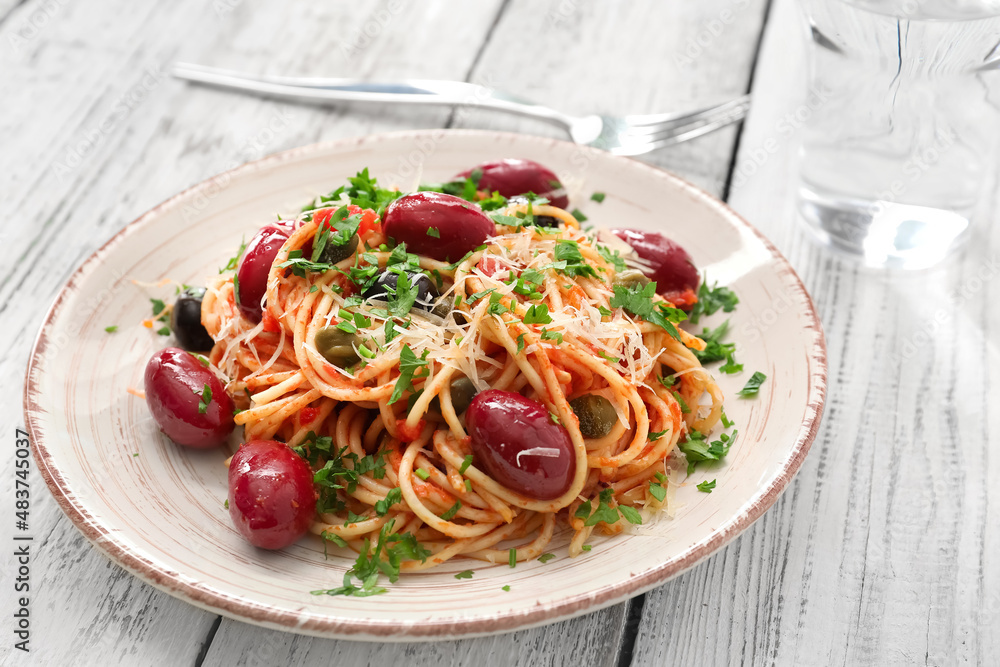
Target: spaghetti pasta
x: 539, y: 309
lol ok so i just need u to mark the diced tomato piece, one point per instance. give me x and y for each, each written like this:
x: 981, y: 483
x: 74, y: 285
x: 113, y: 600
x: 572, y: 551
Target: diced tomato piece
x: 307, y: 415
x: 271, y: 325
x: 407, y: 434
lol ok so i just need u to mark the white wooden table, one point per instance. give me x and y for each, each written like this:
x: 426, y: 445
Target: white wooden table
x: 885, y: 549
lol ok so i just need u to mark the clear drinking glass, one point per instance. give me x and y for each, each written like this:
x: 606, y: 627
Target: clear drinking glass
x: 901, y: 145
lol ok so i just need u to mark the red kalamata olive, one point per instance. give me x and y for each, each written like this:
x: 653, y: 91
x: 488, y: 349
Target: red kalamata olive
x: 517, y: 444
x: 271, y: 496
x: 251, y: 275
x: 187, y: 400
x: 673, y: 270
x: 512, y: 177
x: 460, y: 226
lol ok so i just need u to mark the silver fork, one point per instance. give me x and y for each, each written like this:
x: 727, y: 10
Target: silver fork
x: 622, y: 135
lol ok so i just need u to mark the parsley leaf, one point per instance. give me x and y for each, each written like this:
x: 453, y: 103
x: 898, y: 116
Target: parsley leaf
x: 569, y: 252
x: 433, y: 231
x: 658, y: 491
x: 464, y: 574
x: 206, y: 400
x: 697, y: 449
x: 113, y: 328
x: 711, y: 299
x: 394, y: 496
x: 706, y: 486
x: 604, y: 511
x: 545, y: 558
x: 410, y: 367
x: 452, y: 511
x: 598, y: 197
x: 752, y: 387
x: 537, y: 314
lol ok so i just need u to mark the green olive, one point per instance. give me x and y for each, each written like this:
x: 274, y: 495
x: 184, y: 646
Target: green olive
x: 337, y: 253
x: 631, y: 278
x: 462, y: 393
x: 337, y: 346
x: 442, y: 308
x: 596, y: 414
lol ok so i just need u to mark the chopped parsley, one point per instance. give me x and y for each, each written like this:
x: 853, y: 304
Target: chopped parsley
x: 605, y: 512
x: 206, y: 399
x: 545, y: 558
x: 653, y: 437
x: 537, y: 314
x: 578, y: 214
x: 410, y: 367
x: 235, y: 259
x: 697, y: 449
x: 520, y: 343
x: 452, y: 511
x: 752, y: 387
x: 394, y: 496
x: 598, y: 197
x: 551, y: 335
x: 657, y: 489
x: 711, y: 299
x: 726, y: 421
x: 505, y: 588
x: 569, y: 252
x: 111, y: 329
x: 680, y: 401
x: 706, y: 486
x: 464, y: 574
x: 385, y: 558
x: 433, y: 231
x: 466, y: 462
x: 638, y: 300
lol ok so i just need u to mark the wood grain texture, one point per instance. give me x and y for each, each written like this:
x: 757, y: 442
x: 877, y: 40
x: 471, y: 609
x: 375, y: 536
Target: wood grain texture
x: 95, y: 133
x: 883, y: 549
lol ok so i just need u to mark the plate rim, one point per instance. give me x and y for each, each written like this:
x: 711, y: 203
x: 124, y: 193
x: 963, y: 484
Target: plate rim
x: 246, y: 610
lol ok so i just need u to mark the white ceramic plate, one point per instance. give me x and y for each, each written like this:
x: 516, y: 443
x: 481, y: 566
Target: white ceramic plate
x: 157, y: 509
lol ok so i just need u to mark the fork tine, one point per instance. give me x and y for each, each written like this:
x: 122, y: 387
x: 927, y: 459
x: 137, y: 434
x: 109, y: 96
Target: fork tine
x: 640, y: 122
x: 677, y: 134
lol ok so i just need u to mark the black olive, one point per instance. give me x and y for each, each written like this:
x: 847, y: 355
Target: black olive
x: 442, y: 308
x: 596, y: 414
x: 540, y: 220
x: 337, y: 346
x: 333, y: 254
x: 186, y: 321
x: 426, y: 291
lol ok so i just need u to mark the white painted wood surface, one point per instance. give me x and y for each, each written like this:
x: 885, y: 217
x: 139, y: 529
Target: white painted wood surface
x: 883, y: 550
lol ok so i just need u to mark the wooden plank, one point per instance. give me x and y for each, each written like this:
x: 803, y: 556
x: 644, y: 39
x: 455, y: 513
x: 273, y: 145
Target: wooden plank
x: 95, y: 133
x: 626, y: 58
x: 881, y: 551
x: 88, y: 148
x: 589, y: 640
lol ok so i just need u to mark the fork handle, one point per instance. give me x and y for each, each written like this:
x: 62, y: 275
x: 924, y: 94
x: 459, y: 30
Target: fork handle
x: 411, y: 91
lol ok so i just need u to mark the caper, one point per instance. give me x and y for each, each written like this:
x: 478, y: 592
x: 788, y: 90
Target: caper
x: 333, y: 254
x: 631, y: 278
x: 337, y: 346
x: 596, y: 414
x: 462, y: 393
x: 442, y: 308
